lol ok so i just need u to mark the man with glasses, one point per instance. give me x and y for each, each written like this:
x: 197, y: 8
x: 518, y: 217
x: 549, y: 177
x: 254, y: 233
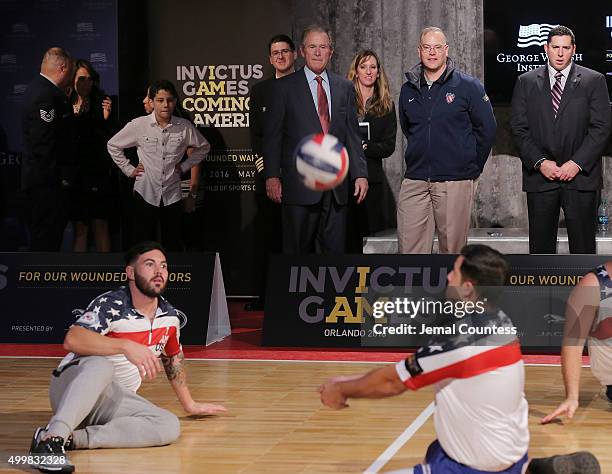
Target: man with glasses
x: 313, y: 100
x: 448, y: 121
x: 282, y: 56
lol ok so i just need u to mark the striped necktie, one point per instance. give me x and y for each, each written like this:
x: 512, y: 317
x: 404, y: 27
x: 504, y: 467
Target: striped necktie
x: 556, y: 93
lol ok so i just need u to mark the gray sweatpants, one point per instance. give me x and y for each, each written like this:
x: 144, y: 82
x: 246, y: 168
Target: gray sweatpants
x: 100, y: 413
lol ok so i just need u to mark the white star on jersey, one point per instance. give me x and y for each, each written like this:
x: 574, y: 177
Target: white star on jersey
x: 113, y: 312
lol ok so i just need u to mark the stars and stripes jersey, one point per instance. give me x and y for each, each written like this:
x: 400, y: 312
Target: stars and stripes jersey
x: 479, y: 379
x: 600, y: 337
x: 112, y: 314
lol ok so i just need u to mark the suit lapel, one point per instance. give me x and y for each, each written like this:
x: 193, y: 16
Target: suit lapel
x: 305, y: 97
x: 573, y: 79
x: 544, y: 86
x: 334, y: 90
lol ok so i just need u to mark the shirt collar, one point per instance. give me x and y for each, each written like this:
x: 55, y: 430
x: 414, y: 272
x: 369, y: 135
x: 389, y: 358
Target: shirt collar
x: 163, y: 306
x: 552, y: 71
x: 310, y: 76
x: 50, y: 80
x: 153, y: 120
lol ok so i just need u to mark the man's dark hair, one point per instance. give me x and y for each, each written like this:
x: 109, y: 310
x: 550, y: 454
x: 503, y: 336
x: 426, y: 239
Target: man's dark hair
x: 281, y: 39
x: 142, y: 247
x: 561, y: 31
x: 162, y: 85
x: 485, y: 268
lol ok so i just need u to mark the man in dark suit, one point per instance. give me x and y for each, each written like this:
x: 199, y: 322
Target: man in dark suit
x: 267, y: 222
x: 47, y: 146
x: 561, y: 123
x: 310, y: 101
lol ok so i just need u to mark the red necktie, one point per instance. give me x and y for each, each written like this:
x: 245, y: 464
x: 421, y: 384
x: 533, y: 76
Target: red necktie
x: 322, y: 105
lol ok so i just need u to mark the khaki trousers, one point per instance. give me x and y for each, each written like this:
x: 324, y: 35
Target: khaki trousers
x: 424, y: 206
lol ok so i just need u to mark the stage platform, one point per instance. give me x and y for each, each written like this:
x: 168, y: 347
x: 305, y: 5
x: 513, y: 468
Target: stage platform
x: 506, y: 240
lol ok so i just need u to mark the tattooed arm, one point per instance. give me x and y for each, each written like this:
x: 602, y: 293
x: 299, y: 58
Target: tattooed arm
x: 175, y: 371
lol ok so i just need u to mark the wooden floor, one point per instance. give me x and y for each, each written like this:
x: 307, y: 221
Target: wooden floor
x: 276, y: 423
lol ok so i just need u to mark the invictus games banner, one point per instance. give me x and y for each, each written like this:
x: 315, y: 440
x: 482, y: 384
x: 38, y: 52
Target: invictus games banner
x: 87, y: 28
x: 402, y: 301
x: 214, y: 52
x: 42, y: 294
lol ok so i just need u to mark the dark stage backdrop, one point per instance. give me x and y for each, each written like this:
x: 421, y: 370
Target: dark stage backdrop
x: 515, y: 34
x: 87, y: 28
x: 214, y: 51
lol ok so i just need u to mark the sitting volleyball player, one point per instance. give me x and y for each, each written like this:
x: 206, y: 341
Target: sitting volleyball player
x: 588, y: 316
x: 114, y: 344
x: 481, y: 412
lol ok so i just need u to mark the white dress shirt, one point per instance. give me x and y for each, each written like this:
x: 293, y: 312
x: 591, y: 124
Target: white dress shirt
x: 551, y: 75
x: 159, y: 151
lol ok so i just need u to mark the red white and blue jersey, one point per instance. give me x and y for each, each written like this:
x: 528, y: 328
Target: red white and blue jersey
x: 479, y: 379
x: 600, y: 336
x: 112, y: 314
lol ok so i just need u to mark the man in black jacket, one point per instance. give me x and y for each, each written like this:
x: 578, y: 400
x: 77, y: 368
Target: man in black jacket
x: 268, y: 216
x: 561, y: 123
x: 312, y: 100
x: 47, y: 149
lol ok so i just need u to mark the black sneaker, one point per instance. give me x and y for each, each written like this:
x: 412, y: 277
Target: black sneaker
x: 49, y: 455
x: 609, y: 393
x: 581, y: 462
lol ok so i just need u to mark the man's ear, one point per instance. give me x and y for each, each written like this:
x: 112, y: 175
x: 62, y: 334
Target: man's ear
x: 129, y: 270
x: 467, y: 289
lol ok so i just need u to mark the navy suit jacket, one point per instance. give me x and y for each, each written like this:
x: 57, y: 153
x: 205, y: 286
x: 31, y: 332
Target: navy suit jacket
x: 291, y: 116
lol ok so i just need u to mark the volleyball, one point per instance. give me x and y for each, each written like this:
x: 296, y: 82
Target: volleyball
x: 321, y: 161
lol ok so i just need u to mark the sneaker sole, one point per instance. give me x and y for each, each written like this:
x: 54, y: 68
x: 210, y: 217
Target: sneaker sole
x: 581, y: 462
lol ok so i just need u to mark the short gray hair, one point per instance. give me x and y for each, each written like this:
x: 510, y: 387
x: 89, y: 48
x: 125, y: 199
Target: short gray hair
x: 317, y: 29
x: 432, y: 29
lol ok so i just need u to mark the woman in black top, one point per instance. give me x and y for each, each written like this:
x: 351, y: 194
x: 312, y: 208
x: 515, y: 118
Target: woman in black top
x: 374, y: 107
x: 90, y: 182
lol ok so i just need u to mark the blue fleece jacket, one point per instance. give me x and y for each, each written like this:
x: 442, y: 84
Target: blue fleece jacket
x: 450, y: 127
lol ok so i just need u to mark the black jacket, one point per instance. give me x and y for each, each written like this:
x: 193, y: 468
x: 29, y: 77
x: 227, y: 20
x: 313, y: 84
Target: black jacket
x: 48, y: 141
x: 381, y: 143
x: 292, y: 116
x: 579, y: 132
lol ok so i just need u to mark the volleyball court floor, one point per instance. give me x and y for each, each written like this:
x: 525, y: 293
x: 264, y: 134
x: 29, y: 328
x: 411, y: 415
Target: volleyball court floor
x: 275, y: 421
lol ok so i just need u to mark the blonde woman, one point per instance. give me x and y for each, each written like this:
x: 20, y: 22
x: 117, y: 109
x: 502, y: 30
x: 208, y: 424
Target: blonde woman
x: 374, y: 107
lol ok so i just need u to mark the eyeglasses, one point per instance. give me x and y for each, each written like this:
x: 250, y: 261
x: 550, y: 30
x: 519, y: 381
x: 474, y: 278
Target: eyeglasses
x: 282, y: 52
x: 436, y: 48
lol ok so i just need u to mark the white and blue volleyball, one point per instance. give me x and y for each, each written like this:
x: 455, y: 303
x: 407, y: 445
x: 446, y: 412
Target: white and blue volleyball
x: 322, y: 162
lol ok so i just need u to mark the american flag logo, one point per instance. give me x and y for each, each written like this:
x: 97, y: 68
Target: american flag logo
x: 450, y: 97
x: 609, y: 21
x: 97, y: 57
x: 8, y: 59
x: 47, y: 116
x: 21, y: 28
x: 533, y: 35
x: 85, y: 27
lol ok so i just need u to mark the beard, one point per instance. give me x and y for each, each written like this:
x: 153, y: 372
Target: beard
x: 146, y: 287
